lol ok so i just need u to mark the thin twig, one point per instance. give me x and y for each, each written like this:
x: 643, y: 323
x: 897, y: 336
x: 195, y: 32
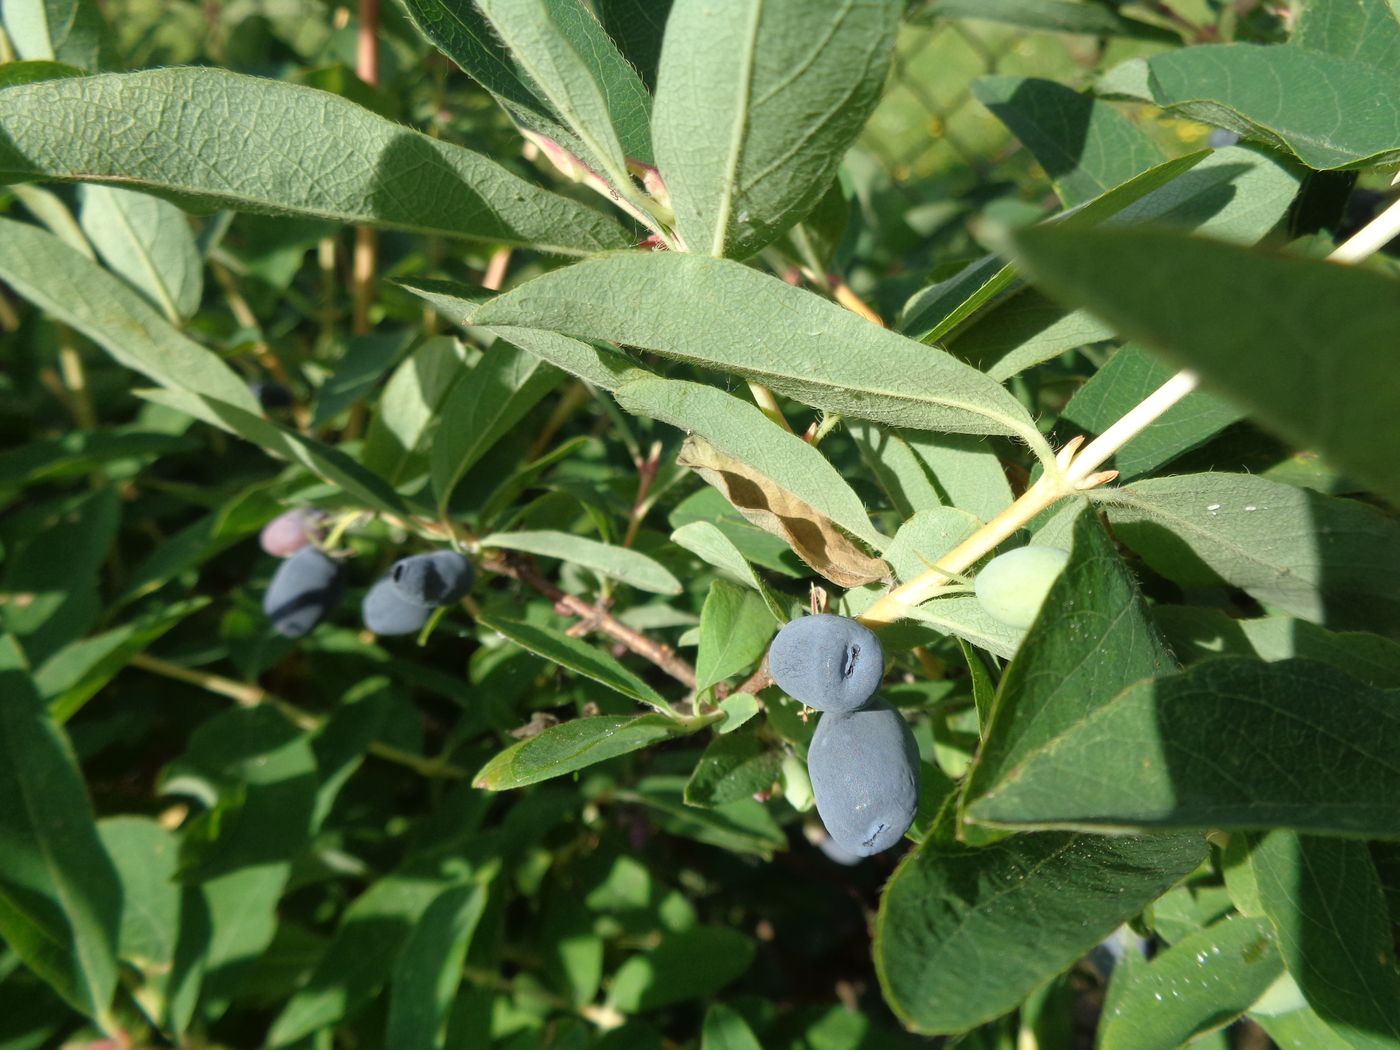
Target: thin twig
x: 646, y: 474
x: 247, y: 694
x: 658, y: 653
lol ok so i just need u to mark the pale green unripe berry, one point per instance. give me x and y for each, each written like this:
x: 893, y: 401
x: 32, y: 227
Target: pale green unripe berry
x: 1012, y: 587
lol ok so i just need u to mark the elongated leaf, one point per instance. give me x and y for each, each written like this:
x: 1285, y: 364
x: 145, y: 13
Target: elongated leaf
x: 920, y: 471
x: 1324, y: 900
x: 1091, y: 639
x: 77, y: 291
x: 144, y: 855
x: 618, y: 563
x: 1331, y: 111
x: 1059, y: 16
x: 573, y: 64
x: 1237, y: 194
x: 799, y: 344
x: 755, y: 106
x: 325, y: 461
x: 249, y: 144
x: 744, y: 826
x: 604, y: 368
x: 637, y: 27
x: 1366, y: 31
x: 1325, y: 559
x: 429, y: 967
x: 489, y: 400
x: 691, y: 964
x: 739, y: 430
x: 149, y: 242
x: 1302, y: 351
x: 460, y: 30
x: 68, y: 31
x: 577, y: 656
x: 1128, y: 377
x: 1086, y: 146
x: 707, y: 542
x: 59, y: 904
x: 239, y: 922
x: 963, y: 935
x: 1204, y: 981
x: 735, y: 766
x: 75, y: 673
x: 411, y: 402
x: 81, y: 453
x: 363, y: 363
x: 361, y: 958
x: 1230, y: 743
x: 773, y: 508
x: 724, y: 1029
x: 50, y: 582
x: 934, y: 312
x: 735, y: 628
x: 574, y: 745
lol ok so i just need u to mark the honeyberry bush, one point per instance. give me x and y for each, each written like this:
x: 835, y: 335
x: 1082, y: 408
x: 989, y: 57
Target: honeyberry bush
x: 619, y: 339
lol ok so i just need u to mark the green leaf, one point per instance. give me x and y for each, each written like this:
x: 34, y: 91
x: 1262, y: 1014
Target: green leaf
x: 239, y: 922
x: 1303, y: 346
x: 1091, y: 639
x: 934, y: 312
x: 361, y: 958
x: 149, y: 243
x: 1366, y: 31
x: 1128, y: 377
x: 491, y: 399
x: 964, y: 935
x: 429, y: 967
x: 1196, y: 633
x: 230, y: 141
x: 1300, y: 1028
x: 827, y: 357
x: 462, y: 33
x: 64, y: 283
x: 325, y: 461
x: 67, y: 31
x: 637, y: 27
x: 1237, y: 194
x: 363, y: 362
x: 574, y: 745
x: 576, y: 655
x: 691, y: 964
x: 1325, y: 559
x: 411, y: 402
x: 565, y: 54
x: 1329, y: 110
x: 920, y: 471
x: 1201, y: 983
x: 1057, y: 16
x: 1324, y: 899
x: 1230, y: 743
x: 735, y: 766
x: 617, y: 563
x: 708, y: 543
x: 1085, y: 146
x: 755, y: 106
x: 59, y: 903
x: 80, y: 453
x: 50, y: 582
x: 741, y: 431
x: 735, y: 628
x: 74, y: 674
x: 256, y: 773
x: 745, y: 826
x: 725, y: 1029
x: 144, y: 855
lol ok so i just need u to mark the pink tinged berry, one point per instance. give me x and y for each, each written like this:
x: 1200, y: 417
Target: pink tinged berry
x: 286, y: 534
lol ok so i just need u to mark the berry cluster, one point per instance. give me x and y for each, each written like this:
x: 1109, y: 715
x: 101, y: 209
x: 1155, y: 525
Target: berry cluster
x: 863, y: 761
x: 309, y: 584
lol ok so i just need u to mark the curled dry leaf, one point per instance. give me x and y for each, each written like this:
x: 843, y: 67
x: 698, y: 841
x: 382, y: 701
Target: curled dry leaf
x: 812, y: 535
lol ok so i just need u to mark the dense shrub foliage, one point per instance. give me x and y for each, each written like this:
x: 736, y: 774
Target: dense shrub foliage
x: 420, y: 420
